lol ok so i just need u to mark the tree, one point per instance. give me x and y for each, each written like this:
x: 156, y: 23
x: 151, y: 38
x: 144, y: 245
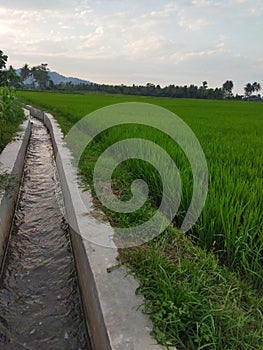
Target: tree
x: 256, y: 87
x: 40, y: 75
x: 218, y: 93
x: 3, y: 60
x: 8, y: 77
x: 51, y: 84
x: 204, y: 84
x: 12, y: 79
x: 25, y: 72
x: 227, y: 89
x: 249, y: 89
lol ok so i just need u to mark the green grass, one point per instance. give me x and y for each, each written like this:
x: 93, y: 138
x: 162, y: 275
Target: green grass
x: 196, y: 300
x: 11, y: 115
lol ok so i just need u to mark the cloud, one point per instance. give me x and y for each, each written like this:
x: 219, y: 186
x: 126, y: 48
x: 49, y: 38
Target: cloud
x: 158, y: 16
x: 255, y: 11
x: 184, y: 55
x: 143, y: 46
x: 37, y: 5
x: 192, y: 24
x: 247, y: 8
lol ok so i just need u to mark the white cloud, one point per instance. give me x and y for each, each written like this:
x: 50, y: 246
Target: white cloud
x: 241, y: 1
x: 143, y: 46
x: 192, y: 24
x: 210, y: 3
x: 253, y: 11
x: 36, y: 5
x: 180, y: 57
x: 99, y: 30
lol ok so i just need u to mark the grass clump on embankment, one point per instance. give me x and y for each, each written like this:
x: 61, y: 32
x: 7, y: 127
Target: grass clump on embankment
x: 194, y: 302
x: 196, y: 299
x: 11, y: 115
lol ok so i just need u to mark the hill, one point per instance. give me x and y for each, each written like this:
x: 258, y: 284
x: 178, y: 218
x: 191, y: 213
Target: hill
x: 57, y: 79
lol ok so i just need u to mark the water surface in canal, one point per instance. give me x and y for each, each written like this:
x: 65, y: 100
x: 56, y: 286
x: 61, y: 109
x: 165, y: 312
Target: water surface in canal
x: 40, y: 305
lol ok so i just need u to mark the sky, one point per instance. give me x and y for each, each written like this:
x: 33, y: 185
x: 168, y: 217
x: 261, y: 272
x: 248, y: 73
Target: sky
x: 138, y: 41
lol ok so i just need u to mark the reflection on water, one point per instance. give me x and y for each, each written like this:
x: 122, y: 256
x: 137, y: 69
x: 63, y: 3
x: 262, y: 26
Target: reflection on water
x: 39, y: 298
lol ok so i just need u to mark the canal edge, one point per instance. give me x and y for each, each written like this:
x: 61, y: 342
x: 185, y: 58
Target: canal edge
x: 12, y: 163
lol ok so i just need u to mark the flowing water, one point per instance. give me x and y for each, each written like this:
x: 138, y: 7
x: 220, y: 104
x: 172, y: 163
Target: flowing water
x: 40, y: 306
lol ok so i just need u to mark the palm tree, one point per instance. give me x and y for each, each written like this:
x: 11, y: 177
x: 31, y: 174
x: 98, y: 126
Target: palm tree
x: 40, y: 75
x: 249, y: 88
x: 204, y: 84
x: 256, y: 86
x: 227, y: 89
x: 3, y: 59
x: 25, y: 72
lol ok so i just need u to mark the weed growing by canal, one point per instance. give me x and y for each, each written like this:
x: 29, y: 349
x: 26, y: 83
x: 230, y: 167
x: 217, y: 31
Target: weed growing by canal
x: 194, y: 302
x: 11, y: 115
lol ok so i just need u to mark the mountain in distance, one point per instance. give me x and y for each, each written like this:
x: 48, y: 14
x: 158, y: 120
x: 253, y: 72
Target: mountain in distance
x: 57, y: 79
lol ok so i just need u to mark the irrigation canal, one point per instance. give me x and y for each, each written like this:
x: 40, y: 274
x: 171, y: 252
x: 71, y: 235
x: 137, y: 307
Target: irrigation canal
x: 40, y: 305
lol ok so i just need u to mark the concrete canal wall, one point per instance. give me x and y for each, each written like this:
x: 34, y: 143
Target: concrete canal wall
x: 12, y: 164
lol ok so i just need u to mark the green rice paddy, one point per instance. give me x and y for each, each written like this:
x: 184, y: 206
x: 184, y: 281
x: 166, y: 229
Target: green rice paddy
x: 202, y: 289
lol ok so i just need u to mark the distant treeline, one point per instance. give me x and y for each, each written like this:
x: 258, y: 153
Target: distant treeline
x: 40, y: 80
x: 191, y: 91
x: 149, y: 89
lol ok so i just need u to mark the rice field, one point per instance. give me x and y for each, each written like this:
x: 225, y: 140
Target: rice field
x: 231, y: 134
x: 231, y: 223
